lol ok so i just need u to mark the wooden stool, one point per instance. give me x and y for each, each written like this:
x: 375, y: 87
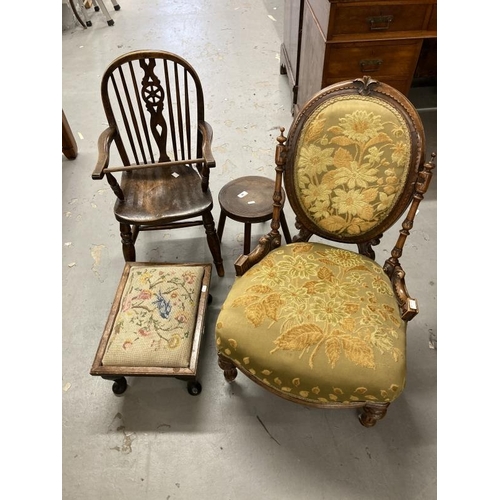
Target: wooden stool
x: 249, y: 200
x: 155, y: 324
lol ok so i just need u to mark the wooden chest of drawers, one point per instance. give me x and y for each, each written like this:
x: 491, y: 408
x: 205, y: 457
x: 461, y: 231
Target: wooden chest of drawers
x: 327, y: 41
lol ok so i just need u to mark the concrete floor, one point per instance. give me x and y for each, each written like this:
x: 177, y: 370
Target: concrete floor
x: 238, y: 441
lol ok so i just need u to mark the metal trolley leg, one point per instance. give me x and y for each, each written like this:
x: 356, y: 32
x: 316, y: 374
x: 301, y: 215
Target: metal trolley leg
x: 105, y: 12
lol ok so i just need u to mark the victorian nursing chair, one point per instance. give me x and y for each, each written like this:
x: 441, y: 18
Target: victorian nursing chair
x: 154, y: 106
x: 315, y: 323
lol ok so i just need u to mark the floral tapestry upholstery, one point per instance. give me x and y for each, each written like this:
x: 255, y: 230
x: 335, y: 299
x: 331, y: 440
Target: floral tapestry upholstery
x: 352, y: 160
x: 155, y: 323
x: 318, y: 323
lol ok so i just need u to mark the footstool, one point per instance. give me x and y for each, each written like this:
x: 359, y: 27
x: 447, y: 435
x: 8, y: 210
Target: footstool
x: 249, y: 200
x: 155, y: 324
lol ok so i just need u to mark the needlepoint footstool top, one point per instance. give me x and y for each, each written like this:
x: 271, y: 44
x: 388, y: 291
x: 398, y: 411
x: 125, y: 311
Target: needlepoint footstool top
x: 156, y: 320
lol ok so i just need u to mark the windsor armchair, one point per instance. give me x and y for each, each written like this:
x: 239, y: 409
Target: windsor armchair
x: 311, y: 321
x: 154, y: 105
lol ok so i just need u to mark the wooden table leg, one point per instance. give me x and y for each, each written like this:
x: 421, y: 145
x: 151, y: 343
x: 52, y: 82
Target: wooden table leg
x: 69, y: 146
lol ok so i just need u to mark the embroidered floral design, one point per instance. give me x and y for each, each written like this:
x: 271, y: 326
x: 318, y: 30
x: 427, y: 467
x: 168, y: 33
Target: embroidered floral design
x: 166, y: 290
x: 327, y: 303
x: 157, y: 314
x: 349, y: 169
x: 164, y: 307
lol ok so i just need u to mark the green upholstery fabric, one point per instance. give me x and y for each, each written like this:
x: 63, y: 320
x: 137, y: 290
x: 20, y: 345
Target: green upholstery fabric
x: 155, y: 323
x: 352, y: 160
x: 318, y: 323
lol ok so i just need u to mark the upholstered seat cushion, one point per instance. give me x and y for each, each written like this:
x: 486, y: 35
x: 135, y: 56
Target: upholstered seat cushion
x: 316, y: 323
x: 156, y: 319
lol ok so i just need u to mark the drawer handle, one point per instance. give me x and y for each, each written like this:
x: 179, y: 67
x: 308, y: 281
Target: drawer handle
x: 370, y: 65
x: 380, y: 23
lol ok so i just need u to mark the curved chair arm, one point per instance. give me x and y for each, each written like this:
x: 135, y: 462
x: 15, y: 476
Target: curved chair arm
x: 206, y: 151
x: 103, y: 147
x: 392, y: 267
x: 271, y: 240
x: 268, y: 242
x: 408, y: 305
x: 206, y: 146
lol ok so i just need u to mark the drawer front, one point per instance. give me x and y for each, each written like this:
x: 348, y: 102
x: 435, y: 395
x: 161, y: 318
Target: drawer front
x: 376, y: 59
x: 377, y: 19
x: 433, y: 20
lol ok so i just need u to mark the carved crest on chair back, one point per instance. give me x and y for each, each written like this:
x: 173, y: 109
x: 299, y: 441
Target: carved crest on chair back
x: 365, y: 84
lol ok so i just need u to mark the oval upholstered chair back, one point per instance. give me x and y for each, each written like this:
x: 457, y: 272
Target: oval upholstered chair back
x: 353, y: 158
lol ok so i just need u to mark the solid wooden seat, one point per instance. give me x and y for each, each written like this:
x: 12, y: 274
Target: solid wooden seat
x: 249, y: 200
x: 154, y: 105
x: 148, y: 200
x: 155, y: 325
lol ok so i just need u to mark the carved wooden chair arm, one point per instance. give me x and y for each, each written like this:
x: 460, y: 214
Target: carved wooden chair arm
x: 268, y: 242
x: 207, y: 133
x: 408, y: 306
x: 103, y: 147
x: 206, y: 152
x: 271, y: 240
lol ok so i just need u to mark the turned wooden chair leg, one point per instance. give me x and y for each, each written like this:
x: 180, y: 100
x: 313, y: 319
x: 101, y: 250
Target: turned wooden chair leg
x: 127, y: 242
x: 229, y: 368
x: 247, y: 238
x: 213, y: 242
x: 372, y: 412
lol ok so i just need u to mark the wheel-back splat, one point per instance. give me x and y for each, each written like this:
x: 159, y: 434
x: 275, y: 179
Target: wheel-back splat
x: 153, y: 95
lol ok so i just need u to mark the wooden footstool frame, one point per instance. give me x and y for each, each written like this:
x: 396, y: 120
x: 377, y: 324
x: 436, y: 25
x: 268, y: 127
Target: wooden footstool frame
x: 189, y: 373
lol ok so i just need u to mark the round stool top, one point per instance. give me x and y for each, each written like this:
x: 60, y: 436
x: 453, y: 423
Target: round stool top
x: 248, y: 199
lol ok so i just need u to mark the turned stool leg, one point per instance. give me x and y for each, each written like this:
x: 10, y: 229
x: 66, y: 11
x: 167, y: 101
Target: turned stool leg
x: 246, y: 239
x: 220, y: 227
x: 284, y: 226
